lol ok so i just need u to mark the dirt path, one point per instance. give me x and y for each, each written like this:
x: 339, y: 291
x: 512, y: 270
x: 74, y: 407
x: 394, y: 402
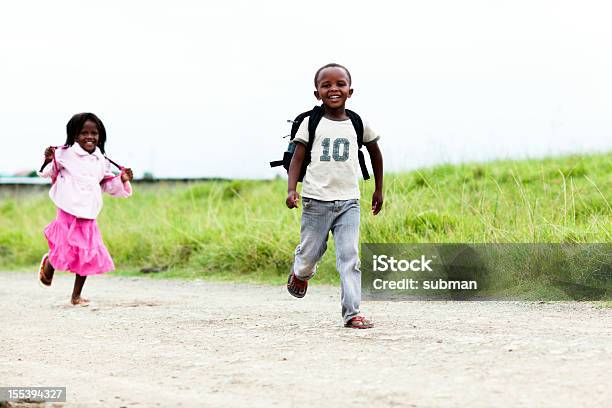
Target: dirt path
x: 145, y: 343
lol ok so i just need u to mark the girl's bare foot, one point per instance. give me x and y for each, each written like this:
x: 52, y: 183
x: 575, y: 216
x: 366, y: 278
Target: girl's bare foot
x: 79, y: 301
x: 79, y: 281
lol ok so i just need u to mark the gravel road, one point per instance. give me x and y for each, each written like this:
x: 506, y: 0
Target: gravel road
x: 147, y: 342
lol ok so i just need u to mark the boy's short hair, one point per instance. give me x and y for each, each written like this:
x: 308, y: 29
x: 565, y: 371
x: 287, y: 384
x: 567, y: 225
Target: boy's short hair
x: 332, y: 65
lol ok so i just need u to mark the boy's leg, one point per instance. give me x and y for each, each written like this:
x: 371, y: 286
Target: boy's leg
x: 346, y: 237
x: 317, y: 218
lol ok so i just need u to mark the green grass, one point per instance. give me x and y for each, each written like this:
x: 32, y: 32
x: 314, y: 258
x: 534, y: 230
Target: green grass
x: 606, y: 304
x: 241, y: 230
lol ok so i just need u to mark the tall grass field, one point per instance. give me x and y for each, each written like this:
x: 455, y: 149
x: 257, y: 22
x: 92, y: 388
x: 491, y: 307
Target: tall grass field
x: 241, y: 230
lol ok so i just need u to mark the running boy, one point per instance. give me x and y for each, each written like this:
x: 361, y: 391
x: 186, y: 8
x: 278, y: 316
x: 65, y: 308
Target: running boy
x: 331, y: 192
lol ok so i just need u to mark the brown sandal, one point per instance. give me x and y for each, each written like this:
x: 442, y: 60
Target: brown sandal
x: 41, y: 271
x: 296, y: 287
x: 359, y: 322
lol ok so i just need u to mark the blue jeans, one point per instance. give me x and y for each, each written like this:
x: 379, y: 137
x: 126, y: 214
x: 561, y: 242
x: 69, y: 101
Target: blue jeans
x: 341, y: 217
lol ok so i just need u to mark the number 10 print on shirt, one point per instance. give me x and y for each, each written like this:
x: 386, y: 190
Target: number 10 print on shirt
x: 340, y: 142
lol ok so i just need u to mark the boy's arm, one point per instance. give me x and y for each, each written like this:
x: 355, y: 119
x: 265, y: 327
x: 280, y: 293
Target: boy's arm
x: 377, y: 166
x: 294, y: 173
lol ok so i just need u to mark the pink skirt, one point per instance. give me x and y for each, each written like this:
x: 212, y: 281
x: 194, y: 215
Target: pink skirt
x: 75, y: 245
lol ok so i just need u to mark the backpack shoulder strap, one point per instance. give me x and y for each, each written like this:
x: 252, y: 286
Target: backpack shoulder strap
x: 314, y: 117
x: 358, y: 125
x: 316, y: 114
x: 297, y: 122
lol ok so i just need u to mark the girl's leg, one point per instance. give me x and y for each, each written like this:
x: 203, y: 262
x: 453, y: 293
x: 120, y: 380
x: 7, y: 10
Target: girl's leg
x: 79, y: 281
x: 48, y: 271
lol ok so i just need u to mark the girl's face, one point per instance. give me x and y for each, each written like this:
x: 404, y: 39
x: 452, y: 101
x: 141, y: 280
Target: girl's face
x: 88, y: 137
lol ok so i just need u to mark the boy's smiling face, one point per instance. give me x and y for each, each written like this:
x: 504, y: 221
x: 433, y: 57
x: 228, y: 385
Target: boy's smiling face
x: 333, y: 87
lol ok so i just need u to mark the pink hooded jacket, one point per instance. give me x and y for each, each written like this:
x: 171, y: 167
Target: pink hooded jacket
x: 80, y: 179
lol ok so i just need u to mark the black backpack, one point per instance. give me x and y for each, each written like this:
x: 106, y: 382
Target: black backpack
x: 315, y: 116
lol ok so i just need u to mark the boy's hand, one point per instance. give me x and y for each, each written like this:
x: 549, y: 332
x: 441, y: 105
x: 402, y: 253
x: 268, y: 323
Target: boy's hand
x: 49, y: 153
x: 377, y: 166
x: 127, y: 175
x: 377, y: 202
x: 292, y: 199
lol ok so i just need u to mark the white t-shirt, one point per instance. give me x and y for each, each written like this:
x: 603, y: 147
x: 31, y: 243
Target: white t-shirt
x: 334, y: 169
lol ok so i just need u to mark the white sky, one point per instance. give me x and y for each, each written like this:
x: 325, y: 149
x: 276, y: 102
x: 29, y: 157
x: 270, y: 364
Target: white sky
x: 188, y: 88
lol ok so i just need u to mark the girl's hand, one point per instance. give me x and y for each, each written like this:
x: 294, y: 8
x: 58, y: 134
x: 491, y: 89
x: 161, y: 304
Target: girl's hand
x: 49, y: 153
x: 377, y: 202
x: 293, y: 199
x: 127, y: 175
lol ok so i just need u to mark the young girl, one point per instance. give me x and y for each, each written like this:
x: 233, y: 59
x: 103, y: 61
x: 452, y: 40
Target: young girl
x: 79, y: 171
